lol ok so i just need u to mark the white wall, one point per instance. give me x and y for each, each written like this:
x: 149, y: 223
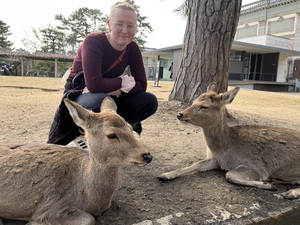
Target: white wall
x: 268, y: 40
x: 282, y: 68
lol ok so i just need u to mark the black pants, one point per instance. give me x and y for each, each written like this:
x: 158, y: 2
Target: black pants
x: 133, y: 108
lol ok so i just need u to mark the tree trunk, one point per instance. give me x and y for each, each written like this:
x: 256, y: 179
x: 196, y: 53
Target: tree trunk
x: 210, y: 31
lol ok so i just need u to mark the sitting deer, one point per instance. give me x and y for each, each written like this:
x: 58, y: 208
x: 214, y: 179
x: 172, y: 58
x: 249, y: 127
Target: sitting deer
x: 252, y: 155
x: 61, y: 185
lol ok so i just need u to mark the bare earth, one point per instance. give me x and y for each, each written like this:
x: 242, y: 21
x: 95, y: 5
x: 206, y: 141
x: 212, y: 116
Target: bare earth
x: 27, y: 108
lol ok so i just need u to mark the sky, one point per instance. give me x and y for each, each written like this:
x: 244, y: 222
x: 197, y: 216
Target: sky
x: 22, y: 16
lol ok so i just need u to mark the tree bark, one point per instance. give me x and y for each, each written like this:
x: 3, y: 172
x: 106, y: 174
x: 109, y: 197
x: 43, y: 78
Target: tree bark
x: 210, y: 31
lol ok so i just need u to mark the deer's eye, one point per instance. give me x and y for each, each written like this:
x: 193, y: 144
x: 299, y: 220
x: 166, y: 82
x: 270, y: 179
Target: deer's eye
x: 202, y: 107
x: 111, y: 136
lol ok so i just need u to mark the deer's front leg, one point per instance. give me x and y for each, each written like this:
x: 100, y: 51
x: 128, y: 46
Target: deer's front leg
x: 204, y: 165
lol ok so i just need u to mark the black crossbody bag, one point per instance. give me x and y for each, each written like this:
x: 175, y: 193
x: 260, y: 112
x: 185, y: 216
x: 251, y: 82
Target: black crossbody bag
x: 63, y: 130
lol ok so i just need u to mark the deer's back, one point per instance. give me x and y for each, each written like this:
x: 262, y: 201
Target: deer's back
x: 262, y: 148
x: 35, y: 174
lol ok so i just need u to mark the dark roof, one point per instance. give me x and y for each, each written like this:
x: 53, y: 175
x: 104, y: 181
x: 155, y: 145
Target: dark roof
x: 36, y: 55
x: 236, y: 46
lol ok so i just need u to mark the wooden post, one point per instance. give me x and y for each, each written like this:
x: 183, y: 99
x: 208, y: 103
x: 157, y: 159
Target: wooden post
x: 22, y: 66
x: 156, y: 81
x: 56, y: 68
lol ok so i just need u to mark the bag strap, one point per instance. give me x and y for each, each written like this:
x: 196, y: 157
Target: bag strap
x: 116, y: 62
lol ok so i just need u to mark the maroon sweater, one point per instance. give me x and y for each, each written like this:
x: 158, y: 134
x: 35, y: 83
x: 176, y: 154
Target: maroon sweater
x: 95, y: 55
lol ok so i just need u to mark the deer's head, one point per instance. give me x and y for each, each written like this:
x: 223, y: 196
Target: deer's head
x: 109, y: 137
x: 208, y: 107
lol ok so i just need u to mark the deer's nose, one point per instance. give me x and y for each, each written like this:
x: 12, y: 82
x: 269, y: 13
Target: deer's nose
x: 179, y: 116
x: 147, y: 157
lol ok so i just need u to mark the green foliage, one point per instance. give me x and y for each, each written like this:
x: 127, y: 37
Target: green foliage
x: 46, y: 68
x: 48, y: 39
x: 143, y: 26
x: 53, y: 40
x: 183, y: 9
x: 4, y: 33
x: 67, y: 36
x: 79, y: 24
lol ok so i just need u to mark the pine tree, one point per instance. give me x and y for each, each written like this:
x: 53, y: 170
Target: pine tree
x: 211, y: 26
x: 4, y: 33
x: 79, y: 24
x: 143, y: 26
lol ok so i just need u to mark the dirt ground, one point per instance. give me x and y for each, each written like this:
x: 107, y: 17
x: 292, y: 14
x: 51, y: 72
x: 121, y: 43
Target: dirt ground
x: 27, y: 108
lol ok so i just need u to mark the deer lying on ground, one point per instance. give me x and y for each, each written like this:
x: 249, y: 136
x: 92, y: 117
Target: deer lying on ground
x: 252, y: 155
x: 60, y: 185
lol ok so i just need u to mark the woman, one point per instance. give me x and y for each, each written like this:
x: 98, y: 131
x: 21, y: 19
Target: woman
x: 102, y: 58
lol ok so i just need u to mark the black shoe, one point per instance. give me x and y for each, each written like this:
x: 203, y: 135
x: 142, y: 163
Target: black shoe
x: 137, y: 128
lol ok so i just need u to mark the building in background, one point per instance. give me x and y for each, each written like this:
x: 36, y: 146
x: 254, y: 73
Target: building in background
x: 274, y: 23
x: 266, y: 51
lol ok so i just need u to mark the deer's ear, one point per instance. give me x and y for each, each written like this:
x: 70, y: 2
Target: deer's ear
x: 108, y: 104
x: 212, y: 87
x: 228, y: 96
x: 79, y: 114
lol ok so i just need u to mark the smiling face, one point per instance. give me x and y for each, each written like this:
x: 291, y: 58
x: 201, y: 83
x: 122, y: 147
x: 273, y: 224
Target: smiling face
x: 122, y: 26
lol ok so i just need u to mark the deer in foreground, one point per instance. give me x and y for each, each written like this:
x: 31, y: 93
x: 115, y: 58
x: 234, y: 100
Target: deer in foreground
x: 252, y: 155
x: 61, y: 185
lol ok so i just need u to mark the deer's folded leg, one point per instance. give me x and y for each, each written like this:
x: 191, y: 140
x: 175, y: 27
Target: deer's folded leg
x: 244, y: 176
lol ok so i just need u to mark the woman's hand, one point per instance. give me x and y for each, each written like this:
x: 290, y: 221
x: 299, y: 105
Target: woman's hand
x: 127, y: 84
x: 85, y: 90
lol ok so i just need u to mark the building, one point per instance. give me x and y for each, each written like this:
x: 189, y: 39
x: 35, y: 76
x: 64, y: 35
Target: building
x: 273, y: 23
x: 264, y: 53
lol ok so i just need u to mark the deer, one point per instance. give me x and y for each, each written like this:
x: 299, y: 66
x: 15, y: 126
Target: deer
x: 64, y: 185
x: 251, y: 155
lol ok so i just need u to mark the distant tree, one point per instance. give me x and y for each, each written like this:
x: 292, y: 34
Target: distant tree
x: 84, y: 21
x: 48, y: 39
x: 143, y: 26
x: 32, y: 42
x: 4, y: 33
x: 53, y: 40
x: 211, y: 26
x: 67, y: 36
x: 79, y: 24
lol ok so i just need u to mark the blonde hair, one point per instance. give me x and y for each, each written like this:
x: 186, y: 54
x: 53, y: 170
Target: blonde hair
x: 120, y: 5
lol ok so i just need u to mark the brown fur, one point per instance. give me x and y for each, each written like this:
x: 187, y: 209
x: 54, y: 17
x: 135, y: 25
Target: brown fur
x: 252, y: 155
x: 60, y: 185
